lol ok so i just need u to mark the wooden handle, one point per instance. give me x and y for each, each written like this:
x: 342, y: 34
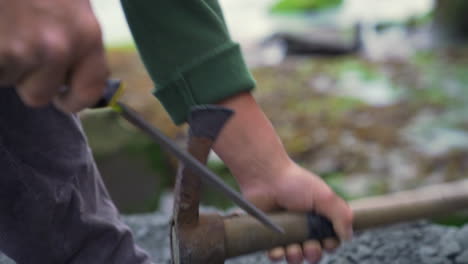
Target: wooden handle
x: 245, y: 235
x: 426, y: 202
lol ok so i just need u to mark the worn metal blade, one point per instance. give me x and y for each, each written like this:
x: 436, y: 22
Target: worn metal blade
x: 206, y: 175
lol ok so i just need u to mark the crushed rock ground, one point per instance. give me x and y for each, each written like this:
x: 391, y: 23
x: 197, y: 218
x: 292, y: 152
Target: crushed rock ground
x: 410, y: 243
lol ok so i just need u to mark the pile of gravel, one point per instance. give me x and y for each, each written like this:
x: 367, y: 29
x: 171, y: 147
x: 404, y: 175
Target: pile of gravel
x: 410, y: 243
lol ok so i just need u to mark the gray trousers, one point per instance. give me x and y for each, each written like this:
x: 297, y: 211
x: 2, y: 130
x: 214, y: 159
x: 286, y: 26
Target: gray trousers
x: 54, y: 208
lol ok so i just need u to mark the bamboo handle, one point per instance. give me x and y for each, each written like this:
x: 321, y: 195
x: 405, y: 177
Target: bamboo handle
x: 245, y: 235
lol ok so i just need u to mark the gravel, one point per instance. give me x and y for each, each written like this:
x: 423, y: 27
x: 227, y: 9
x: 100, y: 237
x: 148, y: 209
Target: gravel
x: 409, y: 243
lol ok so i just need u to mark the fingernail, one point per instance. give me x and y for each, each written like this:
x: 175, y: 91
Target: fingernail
x: 312, y: 251
x: 294, y: 254
x: 312, y: 257
x: 330, y: 244
x: 276, y: 254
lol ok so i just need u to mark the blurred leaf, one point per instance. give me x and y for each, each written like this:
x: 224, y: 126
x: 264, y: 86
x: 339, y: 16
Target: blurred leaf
x: 335, y: 107
x: 212, y: 197
x: 336, y: 181
x: 304, y: 5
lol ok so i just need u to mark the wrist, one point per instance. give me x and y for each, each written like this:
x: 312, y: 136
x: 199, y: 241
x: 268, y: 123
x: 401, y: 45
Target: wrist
x: 249, y: 145
x: 262, y: 171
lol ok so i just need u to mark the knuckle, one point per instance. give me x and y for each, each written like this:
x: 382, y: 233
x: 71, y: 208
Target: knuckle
x: 56, y: 47
x: 15, y: 59
x: 18, y: 49
x: 91, y: 31
x: 14, y: 51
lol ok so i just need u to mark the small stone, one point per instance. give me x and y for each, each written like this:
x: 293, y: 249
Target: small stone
x: 435, y: 260
x: 366, y: 238
x: 462, y: 258
x: 462, y: 236
x: 363, y: 252
x: 450, y: 249
x: 427, y: 251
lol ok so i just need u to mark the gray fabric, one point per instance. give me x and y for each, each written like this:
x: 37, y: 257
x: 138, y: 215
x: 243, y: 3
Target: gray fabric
x: 54, y: 208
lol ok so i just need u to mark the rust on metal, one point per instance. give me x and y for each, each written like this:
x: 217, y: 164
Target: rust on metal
x: 187, y: 190
x: 194, y: 238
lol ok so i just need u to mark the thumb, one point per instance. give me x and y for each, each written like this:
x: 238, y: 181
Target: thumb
x: 330, y: 205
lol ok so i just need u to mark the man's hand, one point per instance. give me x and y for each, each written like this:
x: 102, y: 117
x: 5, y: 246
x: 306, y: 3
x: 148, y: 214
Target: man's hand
x: 271, y: 180
x: 297, y: 189
x: 46, y: 44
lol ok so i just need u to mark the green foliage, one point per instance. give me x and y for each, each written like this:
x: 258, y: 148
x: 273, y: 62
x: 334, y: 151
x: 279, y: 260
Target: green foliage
x: 443, y: 81
x: 304, y: 5
x: 420, y: 20
x: 366, y: 70
x: 104, y: 132
x: 458, y: 219
x: 411, y: 22
x: 110, y: 137
x: 153, y: 154
x: 214, y: 198
x: 335, y: 107
x: 431, y: 95
x: 336, y: 181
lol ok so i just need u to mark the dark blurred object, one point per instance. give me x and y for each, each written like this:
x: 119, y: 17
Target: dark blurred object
x: 314, y: 45
x: 450, y: 20
x: 112, y: 93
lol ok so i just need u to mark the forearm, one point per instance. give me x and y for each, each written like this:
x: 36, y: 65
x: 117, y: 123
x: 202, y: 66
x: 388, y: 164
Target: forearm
x: 249, y: 144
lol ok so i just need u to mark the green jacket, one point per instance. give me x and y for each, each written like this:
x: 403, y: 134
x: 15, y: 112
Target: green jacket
x: 188, y: 52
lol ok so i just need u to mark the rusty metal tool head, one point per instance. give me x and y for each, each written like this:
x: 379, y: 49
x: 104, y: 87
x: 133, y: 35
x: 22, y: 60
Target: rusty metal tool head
x: 190, y: 242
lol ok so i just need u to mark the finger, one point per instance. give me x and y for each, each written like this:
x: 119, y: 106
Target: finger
x: 338, y: 211
x: 39, y: 87
x: 14, y: 63
x: 9, y: 70
x: 330, y: 244
x: 312, y: 251
x: 294, y: 254
x: 3, y: 74
x: 276, y: 254
x: 87, y: 83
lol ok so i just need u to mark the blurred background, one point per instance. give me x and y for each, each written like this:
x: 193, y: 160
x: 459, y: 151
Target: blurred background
x: 372, y: 95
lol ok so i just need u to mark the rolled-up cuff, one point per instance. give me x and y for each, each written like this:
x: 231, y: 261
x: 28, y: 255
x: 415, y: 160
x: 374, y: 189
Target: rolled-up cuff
x: 215, y: 76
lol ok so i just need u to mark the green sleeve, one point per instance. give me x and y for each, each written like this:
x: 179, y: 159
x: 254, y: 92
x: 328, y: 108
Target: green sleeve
x: 188, y: 52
